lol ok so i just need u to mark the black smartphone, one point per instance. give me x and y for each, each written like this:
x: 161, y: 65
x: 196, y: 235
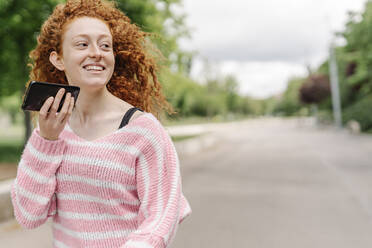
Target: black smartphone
x: 38, y: 92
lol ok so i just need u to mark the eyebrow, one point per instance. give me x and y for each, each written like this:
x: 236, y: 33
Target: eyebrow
x: 86, y: 35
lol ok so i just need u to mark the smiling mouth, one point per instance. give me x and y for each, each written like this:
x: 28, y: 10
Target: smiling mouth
x: 94, y: 68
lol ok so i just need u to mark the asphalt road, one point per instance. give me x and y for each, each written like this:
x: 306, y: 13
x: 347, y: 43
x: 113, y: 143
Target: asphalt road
x: 267, y: 183
x: 275, y: 183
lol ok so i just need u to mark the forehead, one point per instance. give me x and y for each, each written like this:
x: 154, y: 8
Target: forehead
x: 86, y: 26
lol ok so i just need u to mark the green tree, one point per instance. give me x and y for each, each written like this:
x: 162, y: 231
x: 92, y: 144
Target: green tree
x: 160, y: 18
x: 289, y: 103
x: 354, y: 61
x: 231, y: 86
x: 20, y: 21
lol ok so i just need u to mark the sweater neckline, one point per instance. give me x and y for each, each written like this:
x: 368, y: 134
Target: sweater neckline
x: 106, y: 135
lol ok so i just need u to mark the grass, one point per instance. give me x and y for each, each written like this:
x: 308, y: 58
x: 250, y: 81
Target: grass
x: 202, y: 120
x: 10, y: 150
x: 182, y: 137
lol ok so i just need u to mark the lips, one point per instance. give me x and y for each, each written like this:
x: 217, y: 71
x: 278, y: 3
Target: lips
x: 94, y: 67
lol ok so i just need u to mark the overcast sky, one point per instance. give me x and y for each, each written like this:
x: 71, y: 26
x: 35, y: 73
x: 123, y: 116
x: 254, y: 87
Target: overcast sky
x: 263, y: 42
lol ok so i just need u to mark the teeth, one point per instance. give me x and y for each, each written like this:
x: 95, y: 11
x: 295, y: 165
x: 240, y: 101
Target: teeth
x: 93, y: 67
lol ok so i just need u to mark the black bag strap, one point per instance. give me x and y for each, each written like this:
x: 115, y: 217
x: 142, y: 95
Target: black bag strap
x: 128, y: 115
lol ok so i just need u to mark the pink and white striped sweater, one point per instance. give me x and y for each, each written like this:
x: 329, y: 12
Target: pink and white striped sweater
x: 120, y: 190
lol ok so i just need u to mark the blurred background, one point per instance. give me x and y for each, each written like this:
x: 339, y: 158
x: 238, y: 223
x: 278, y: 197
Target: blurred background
x: 274, y: 122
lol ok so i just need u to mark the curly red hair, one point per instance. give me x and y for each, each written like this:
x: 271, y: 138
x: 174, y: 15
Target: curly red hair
x: 134, y: 78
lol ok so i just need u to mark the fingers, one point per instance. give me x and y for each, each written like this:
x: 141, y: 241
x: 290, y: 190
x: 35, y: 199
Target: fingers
x: 43, y: 113
x: 65, y: 107
x: 56, y: 102
x: 69, y: 112
x: 52, y: 123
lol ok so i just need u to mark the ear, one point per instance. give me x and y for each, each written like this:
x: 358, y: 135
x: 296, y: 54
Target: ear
x: 56, y: 60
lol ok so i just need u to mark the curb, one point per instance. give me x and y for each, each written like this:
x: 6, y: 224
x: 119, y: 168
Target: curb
x: 194, y: 145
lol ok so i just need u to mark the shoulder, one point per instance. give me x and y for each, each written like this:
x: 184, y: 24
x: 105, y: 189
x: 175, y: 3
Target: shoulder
x: 149, y: 121
x: 152, y: 129
x: 136, y: 115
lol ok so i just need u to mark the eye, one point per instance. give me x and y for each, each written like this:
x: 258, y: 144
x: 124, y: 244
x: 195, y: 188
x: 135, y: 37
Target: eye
x: 82, y: 44
x: 106, y: 46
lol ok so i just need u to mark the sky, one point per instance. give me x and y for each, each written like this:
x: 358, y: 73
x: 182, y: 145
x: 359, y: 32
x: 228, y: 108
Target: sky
x: 263, y: 43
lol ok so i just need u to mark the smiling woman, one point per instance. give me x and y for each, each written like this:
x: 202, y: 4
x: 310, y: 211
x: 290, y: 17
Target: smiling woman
x: 106, y: 179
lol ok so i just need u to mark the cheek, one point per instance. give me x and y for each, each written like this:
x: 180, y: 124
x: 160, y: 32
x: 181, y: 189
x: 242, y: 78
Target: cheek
x: 112, y: 59
x: 72, y: 65
x: 74, y: 61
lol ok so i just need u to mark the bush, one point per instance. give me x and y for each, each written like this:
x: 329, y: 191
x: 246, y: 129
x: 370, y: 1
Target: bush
x: 361, y: 111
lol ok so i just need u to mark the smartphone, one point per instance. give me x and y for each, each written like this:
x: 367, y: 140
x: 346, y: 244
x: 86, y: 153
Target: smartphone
x: 38, y: 92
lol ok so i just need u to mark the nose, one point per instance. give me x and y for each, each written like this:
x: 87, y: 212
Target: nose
x: 95, y: 52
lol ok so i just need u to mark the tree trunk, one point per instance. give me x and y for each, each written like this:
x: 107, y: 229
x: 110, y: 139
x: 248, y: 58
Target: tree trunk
x: 28, y: 128
x: 27, y: 119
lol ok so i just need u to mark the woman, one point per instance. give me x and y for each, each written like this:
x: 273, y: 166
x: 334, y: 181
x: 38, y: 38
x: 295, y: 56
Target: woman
x: 107, y: 181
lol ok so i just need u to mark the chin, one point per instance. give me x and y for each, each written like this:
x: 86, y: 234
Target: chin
x: 92, y: 83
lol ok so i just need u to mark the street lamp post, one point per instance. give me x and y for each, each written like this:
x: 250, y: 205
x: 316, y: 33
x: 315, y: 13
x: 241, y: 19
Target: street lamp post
x: 336, y: 102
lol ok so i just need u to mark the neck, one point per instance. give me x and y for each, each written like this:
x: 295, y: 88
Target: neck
x: 92, y: 106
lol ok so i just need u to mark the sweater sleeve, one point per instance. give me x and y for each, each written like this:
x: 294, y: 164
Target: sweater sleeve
x: 163, y: 206
x: 33, y: 190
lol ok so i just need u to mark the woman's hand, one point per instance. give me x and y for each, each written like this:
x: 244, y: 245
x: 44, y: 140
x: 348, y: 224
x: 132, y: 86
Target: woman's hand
x: 52, y: 123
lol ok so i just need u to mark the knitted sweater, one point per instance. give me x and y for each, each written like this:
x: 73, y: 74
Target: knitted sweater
x: 120, y: 190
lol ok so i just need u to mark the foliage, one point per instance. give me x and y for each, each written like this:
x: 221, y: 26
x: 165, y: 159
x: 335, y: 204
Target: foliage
x: 216, y: 97
x: 361, y: 112
x: 161, y: 18
x: 289, y: 103
x: 315, y: 89
x: 10, y: 151
x: 20, y: 22
x: 354, y: 61
x: 11, y: 105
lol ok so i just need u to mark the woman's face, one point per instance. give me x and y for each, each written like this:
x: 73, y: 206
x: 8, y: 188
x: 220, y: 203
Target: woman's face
x: 87, y: 53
